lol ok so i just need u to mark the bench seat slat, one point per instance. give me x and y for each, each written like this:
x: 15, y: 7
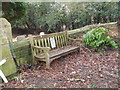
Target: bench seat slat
x: 57, y: 52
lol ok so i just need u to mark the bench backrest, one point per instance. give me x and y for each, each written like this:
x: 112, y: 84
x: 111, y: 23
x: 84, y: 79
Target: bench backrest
x: 61, y: 39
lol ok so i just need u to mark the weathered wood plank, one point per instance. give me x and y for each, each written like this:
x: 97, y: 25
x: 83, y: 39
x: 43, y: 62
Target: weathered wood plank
x: 59, y: 41
x: 57, y: 52
x: 56, y: 42
x: 65, y: 39
x: 61, y: 38
x: 48, y: 41
x: 42, y: 40
x: 45, y: 41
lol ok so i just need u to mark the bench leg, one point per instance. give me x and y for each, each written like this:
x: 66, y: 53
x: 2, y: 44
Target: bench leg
x: 47, y: 64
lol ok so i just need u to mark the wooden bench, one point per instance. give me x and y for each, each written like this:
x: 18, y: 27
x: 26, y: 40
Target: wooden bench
x: 51, y: 46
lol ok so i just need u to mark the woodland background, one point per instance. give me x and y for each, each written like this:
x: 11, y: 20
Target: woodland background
x: 49, y: 17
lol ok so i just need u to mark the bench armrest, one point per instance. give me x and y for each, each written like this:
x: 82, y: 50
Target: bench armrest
x: 45, y: 50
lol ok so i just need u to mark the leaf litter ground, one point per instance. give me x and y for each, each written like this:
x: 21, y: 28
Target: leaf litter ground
x: 82, y: 69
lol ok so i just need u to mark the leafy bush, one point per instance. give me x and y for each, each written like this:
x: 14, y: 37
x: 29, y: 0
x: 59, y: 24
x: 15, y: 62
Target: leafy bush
x: 98, y: 38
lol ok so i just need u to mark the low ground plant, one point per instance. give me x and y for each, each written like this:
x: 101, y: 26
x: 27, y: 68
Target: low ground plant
x: 98, y: 38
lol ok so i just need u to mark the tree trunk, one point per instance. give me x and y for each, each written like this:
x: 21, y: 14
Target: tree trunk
x: 28, y: 26
x: 92, y: 19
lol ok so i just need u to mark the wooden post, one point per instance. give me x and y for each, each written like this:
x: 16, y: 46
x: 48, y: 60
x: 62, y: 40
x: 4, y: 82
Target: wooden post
x: 47, y: 59
x: 32, y: 44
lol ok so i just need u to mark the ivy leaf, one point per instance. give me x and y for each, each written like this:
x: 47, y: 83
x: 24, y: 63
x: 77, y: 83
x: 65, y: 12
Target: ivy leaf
x: 80, y: 80
x: 93, y: 85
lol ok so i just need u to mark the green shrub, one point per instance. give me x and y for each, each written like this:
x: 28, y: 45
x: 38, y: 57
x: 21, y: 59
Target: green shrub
x: 98, y: 38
